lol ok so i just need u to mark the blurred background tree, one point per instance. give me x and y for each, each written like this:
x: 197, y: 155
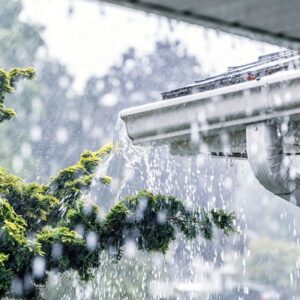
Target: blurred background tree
x: 55, y: 122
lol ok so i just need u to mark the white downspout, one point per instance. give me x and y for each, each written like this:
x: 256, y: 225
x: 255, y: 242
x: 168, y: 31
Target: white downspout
x: 270, y: 166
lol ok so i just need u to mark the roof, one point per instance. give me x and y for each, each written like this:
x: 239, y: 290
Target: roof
x: 265, y: 65
x: 273, y: 21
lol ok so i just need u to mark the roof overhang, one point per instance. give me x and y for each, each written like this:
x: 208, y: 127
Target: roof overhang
x: 272, y: 21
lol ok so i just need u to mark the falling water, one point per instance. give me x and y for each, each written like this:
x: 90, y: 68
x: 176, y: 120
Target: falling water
x: 220, y: 269
x: 180, y: 272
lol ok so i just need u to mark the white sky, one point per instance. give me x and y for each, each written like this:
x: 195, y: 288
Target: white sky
x: 93, y: 38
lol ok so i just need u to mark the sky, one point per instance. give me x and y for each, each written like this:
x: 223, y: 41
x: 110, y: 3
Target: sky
x: 94, y: 35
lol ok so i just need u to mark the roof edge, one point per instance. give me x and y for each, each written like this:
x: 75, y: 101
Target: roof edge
x: 213, y: 23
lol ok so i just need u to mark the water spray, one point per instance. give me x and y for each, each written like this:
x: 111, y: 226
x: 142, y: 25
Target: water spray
x: 250, y: 112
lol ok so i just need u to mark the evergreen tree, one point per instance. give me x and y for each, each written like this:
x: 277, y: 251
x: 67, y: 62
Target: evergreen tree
x: 38, y: 222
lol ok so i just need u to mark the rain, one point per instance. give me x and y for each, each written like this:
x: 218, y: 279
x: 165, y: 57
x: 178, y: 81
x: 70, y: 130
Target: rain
x: 111, y: 74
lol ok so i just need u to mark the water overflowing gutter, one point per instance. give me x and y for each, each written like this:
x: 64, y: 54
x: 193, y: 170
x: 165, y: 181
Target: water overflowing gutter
x: 257, y: 119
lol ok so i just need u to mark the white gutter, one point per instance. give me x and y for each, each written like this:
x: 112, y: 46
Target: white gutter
x: 230, y: 121
x: 230, y: 107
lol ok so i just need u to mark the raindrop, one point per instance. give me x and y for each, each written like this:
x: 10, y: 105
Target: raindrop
x: 38, y: 267
x: 91, y: 240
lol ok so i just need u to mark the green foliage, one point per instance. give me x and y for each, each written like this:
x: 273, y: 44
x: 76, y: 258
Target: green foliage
x: 7, y: 84
x: 16, y: 249
x: 56, y: 224
x: 6, y: 274
x: 13, y: 227
x: 153, y: 221
x: 106, y: 179
x: 223, y: 220
x: 67, y: 242
x: 33, y: 201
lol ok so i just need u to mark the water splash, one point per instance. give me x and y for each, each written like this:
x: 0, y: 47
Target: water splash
x: 195, y: 269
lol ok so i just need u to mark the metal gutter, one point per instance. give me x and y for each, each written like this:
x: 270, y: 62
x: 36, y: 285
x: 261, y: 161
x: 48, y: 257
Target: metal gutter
x: 230, y: 108
x: 231, y: 121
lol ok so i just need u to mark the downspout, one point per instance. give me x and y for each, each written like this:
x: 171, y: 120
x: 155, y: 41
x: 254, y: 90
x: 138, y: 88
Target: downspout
x: 270, y: 165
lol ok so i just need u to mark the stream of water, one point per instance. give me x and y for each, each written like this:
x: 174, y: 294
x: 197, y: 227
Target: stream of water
x: 235, y: 267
